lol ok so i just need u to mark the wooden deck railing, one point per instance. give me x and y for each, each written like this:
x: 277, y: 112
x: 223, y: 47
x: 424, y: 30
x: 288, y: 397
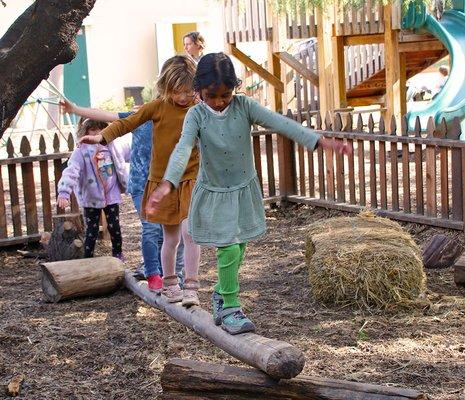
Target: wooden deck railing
x: 246, y: 20
x: 28, y: 190
x: 409, y: 176
x: 362, y: 61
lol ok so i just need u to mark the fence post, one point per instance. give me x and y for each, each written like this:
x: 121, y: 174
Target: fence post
x: 45, y: 188
x: 29, y: 189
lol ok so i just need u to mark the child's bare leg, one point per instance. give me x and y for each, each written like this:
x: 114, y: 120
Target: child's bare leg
x: 171, y: 238
x: 191, y: 255
x: 191, y: 268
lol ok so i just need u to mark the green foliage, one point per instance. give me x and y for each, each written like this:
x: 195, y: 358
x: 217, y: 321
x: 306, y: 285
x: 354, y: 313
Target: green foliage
x: 147, y: 93
x: 293, y: 6
x: 112, y: 105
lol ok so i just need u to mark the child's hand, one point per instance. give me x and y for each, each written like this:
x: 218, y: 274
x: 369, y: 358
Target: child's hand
x: 67, y: 106
x: 157, y: 196
x: 62, y: 202
x: 336, y: 145
x: 91, y: 139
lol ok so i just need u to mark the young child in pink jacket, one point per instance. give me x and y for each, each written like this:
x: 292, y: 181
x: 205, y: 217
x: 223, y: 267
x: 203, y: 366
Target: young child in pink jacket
x: 98, y: 175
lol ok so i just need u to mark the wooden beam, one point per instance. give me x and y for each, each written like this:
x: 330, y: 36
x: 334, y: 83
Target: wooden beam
x: 201, y: 380
x: 363, y: 39
x: 257, y: 68
x: 409, y: 47
x: 396, y: 78
x: 286, y: 152
x: 365, y: 101
x: 299, y: 67
x: 325, y: 62
x: 13, y: 241
x: 274, y: 357
x: 339, y: 75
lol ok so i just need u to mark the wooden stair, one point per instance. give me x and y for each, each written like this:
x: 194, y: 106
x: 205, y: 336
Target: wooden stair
x: 372, y: 89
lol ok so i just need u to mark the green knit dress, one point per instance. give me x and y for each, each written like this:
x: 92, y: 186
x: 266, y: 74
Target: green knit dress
x: 226, y: 206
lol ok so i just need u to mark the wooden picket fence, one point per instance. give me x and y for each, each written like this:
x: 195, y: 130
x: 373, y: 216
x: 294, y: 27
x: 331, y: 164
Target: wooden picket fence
x: 414, y: 176
x: 26, y: 187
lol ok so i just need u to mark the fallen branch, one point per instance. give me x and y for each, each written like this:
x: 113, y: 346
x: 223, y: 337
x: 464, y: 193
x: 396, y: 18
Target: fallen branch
x: 195, y: 380
x: 278, y: 359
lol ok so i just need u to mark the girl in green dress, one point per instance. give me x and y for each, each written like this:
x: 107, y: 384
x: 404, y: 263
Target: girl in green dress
x: 226, y: 209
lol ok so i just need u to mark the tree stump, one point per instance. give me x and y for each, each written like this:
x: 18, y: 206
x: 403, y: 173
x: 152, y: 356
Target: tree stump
x: 66, y: 242
x: 196, y: 380
x: 459, y: 271
x: 63, y: 280
x: 441, y: 251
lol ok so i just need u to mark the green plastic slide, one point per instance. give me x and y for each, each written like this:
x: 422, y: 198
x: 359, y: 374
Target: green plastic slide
x: 450, y: 30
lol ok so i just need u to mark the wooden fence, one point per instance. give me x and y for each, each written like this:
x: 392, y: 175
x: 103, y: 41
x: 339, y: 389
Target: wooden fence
x: 409, y: 176
x: 26, y: 187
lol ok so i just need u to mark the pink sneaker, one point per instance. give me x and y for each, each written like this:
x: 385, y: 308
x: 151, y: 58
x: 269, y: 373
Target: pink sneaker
x: 155, y: 283
x: 171, y: 289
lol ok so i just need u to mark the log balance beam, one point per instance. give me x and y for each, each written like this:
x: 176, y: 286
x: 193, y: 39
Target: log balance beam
x: 276, y: 358
x: 196, y: 380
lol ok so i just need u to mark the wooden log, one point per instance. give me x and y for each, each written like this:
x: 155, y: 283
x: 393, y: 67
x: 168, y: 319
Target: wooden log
x: 441, y: 251
x: 459, y: 271
x: 67, y: 238
x: 199, y: 380
x: 277, y: 358
x: 63, y: 280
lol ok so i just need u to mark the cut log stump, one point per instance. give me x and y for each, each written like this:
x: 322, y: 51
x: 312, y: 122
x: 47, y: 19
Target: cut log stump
x: 276, y: 358
x: 63, y: 280
x: 66, y: 242
x: 459, y: 271
x: 195, y: 380
x: 441, y: 251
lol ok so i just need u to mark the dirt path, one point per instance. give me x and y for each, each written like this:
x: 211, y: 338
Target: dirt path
x: 115, y: 347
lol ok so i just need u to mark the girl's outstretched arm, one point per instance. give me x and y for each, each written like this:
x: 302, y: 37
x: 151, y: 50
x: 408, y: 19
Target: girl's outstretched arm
x: 86, y: 112
x: 293, y: 130
x: 342, y: 148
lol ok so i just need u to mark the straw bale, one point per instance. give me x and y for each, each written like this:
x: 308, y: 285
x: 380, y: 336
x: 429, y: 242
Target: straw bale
x: 364, y: 260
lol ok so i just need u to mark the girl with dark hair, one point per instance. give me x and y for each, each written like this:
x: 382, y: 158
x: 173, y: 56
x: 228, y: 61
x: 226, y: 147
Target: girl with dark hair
x: 226, y: 207
x: 167, y: 112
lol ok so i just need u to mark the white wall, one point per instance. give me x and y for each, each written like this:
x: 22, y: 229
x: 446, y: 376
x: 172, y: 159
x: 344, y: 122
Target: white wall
x: 122, y: 41
x: 121, y: 44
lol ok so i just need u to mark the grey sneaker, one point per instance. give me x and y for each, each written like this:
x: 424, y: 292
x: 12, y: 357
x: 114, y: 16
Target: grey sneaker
x: 217, y: 306
x: 234, y: 321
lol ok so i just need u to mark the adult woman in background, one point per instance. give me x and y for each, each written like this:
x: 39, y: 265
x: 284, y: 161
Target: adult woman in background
x: 194, y: 44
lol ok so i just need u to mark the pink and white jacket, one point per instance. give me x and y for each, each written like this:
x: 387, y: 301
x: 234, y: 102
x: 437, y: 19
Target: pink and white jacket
x: 82, y: 176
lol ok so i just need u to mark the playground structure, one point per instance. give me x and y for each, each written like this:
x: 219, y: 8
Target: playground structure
x: 36, y: 118
x: 361, y: 57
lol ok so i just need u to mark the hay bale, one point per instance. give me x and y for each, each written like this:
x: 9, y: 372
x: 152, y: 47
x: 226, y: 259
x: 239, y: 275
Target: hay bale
x: 364, y: 260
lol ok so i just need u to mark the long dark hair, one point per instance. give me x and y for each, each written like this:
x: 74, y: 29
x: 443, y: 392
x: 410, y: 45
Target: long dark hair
x: 214, y: 69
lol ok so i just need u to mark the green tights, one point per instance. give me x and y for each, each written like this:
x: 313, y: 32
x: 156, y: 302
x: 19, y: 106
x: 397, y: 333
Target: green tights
x: 229, y: 260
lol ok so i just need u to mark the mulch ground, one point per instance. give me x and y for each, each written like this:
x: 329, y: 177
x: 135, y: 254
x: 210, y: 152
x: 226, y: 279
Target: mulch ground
x: 115, y: 347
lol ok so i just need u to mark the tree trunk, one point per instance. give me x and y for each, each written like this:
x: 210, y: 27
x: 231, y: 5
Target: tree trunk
x: 441, y: 251
x: 66, y: 242
x: 63, y: 280
x: 277, y: 358
x: 195, y: 380
x: 40, y: 39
